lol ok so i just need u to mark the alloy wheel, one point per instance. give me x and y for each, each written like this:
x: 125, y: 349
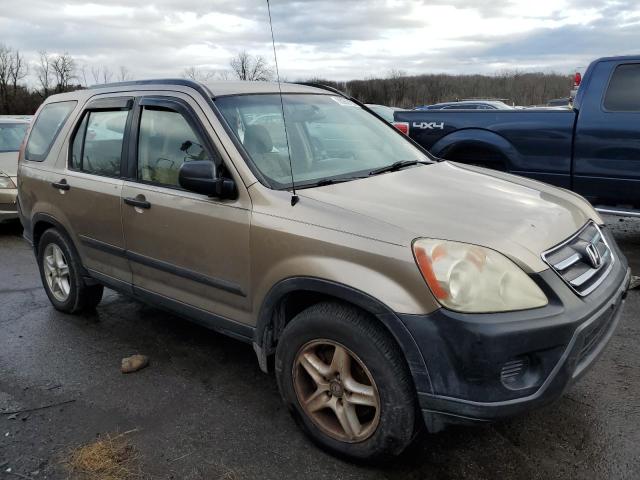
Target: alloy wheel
x: 56, y: 272
x: 336, y: 391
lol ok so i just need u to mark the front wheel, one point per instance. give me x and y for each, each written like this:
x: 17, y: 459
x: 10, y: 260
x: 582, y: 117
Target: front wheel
x: 346, y: 382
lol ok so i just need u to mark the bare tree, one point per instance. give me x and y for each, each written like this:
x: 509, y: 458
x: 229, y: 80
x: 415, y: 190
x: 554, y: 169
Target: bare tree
x: 249, y: 67
x: 15, y: 97
x: 106, y: 74
x: 95, y: 73
x: 223, y: 75
x: 19, y: 69
x: 204, y: 75
x: 397, y: 84
x: 123, y: 74
x: 43, y: 72
x: 200, y: 74
x: 196, y: 74
x: 82, y: 75
x: 6, y: 61
x: 64, y: 71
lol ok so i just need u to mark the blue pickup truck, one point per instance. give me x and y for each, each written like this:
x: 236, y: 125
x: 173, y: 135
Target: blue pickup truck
x: 592, y: 149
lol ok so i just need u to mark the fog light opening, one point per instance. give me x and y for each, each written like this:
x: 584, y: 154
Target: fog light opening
x: 521, y: 373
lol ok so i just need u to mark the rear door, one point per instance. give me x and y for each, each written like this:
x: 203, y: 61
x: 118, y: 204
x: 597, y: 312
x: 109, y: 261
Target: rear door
x: 185, y: 248
x: 606, y: 166
x: 91, y: 187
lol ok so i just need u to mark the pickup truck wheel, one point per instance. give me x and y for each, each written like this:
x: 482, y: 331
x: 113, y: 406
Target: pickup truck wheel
x: 60, y: 270
x: 346, y: 383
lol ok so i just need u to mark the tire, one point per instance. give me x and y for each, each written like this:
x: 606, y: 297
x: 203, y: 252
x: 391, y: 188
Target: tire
x: 376, y: 360
x: 71, y: 294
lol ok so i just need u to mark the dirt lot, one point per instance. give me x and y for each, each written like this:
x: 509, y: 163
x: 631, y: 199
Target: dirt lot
x: 203, y: 410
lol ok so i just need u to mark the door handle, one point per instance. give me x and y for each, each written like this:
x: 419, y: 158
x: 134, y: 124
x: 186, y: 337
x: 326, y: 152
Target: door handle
x: 61, y: 185
x: 138, y: 202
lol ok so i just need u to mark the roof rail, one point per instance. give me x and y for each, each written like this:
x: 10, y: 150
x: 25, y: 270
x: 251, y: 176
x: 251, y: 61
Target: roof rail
x: 183, y: 82
x: 162, y: 81
x: 324, y: 87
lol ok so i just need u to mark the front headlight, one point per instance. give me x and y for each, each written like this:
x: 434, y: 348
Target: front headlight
x: 473, y: 279
x: 6, y: 182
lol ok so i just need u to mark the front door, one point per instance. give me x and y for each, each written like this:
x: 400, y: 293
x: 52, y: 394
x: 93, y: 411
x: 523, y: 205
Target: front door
x: 183, y: 247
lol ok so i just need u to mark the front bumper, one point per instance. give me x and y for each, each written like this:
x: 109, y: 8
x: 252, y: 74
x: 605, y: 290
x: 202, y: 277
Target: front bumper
x: 8, y: 208
x: 471, y: 358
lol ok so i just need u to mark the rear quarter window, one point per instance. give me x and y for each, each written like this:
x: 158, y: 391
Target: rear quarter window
x: 623, y: 94
x: 46, y: 128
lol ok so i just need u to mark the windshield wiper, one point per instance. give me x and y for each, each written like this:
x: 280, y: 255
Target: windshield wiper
x: 395, y: 166
x: 327, y: 181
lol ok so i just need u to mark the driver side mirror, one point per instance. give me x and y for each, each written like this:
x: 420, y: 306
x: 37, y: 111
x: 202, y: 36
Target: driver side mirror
x: 200, y: 176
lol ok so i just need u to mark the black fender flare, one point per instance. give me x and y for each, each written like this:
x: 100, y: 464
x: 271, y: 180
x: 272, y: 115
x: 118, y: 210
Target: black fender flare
x: 47, y: 218
x: 262, y: 340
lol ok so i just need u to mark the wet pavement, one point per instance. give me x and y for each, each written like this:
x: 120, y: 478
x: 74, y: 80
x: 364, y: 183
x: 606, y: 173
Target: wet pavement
x: 203, y: 409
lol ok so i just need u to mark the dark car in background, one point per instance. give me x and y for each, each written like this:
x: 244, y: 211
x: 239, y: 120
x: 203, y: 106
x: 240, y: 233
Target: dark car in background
x: 592, y: 149
x: 468, y: 105
x: 384, y: 111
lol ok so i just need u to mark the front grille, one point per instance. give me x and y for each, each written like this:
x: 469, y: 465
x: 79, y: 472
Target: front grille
x: 592, y: 339
x: 583, y: 261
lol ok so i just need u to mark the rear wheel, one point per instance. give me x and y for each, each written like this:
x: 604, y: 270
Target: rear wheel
x: 60, y: 270
x: 346, y: 382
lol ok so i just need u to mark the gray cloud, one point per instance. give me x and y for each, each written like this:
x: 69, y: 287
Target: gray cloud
x: 330, y: 38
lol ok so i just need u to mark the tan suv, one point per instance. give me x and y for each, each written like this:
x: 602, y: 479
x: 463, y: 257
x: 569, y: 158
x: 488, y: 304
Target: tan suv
x: 390, y: 292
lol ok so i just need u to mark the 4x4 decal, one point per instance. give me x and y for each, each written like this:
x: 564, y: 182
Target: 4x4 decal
x: 428, y: 125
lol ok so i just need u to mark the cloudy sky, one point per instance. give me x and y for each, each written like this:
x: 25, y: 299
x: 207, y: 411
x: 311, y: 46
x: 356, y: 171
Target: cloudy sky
x: 337, y: 39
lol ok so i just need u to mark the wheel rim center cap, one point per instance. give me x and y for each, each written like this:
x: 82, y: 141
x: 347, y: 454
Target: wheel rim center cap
x: 336, y: 389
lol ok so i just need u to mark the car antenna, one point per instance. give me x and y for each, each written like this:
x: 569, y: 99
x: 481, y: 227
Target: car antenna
x: 294, y: 198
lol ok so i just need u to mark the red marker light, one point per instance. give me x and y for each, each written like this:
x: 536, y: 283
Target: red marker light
x: 577, y: 79
x: 402, y: 126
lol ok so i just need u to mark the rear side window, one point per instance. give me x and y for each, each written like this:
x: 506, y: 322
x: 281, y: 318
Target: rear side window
x: 623, y: 94
x: 46, y: 129
x: 97, y: 145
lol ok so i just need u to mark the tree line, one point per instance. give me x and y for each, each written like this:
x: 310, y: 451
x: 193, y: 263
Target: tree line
x: 408, y: 91
x: 57, y: 73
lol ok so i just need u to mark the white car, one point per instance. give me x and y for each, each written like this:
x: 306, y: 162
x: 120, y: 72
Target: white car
x: 12, y: 132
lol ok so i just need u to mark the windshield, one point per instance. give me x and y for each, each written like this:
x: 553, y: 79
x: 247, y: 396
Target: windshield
x: 330, y: 137
x: 11, y: 136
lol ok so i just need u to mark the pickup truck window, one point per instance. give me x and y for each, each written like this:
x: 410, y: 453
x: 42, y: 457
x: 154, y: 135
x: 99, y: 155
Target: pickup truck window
x: 329, y: 137
x: 623, y: 94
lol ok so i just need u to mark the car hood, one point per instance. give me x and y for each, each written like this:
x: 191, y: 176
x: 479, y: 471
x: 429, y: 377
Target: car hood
x: 9, y: 163
x: 516, y: 216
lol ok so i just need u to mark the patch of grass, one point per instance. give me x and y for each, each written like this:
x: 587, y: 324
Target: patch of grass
x: 109, y: 458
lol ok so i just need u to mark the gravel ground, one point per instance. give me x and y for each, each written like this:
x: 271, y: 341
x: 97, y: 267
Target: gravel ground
x: 203, y: 410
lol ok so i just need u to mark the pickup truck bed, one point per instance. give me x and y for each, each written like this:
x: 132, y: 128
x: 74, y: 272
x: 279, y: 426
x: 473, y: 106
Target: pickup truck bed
x: 533, y: 143
x: 593, y: 149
